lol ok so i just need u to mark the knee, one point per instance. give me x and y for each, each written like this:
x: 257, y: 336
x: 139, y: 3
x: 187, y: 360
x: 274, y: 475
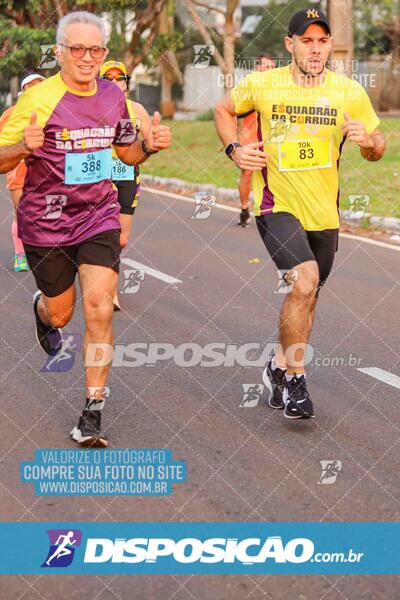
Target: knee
x: 98, y: 312
x: 123, y: 240
x: 305, y: 288
x: 59, y: 320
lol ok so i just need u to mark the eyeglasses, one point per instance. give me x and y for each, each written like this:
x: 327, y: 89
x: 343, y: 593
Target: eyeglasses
x: 116, y: 78
x: 78, y: 51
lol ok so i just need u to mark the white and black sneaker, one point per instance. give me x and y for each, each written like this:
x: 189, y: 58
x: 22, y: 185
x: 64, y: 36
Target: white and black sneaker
x: 296, y: 398
x: 244, y: 219
x: 88, y: 432
x: 49, y: 338
x: 274, y: 381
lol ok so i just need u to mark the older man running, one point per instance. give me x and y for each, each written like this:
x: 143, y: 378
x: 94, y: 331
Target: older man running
x: 68, y: 216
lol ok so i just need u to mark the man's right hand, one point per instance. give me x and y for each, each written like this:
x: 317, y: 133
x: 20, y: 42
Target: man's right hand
x: 33, y: 134
x: 249, y: 157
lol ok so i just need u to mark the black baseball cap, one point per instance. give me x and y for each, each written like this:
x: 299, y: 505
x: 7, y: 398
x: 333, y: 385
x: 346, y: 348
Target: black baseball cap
x: 304, y: 18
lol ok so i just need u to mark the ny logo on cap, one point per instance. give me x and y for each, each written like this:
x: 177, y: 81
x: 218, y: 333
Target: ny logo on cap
x: 312, y: 14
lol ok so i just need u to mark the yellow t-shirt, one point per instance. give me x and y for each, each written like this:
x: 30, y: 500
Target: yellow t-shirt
x: 302, y: 132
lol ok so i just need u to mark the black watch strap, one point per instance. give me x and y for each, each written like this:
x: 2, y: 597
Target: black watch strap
x: 147, y: 150
x: 231, y: 147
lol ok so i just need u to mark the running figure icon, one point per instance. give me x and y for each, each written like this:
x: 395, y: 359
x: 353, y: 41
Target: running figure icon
x: 62, y: 549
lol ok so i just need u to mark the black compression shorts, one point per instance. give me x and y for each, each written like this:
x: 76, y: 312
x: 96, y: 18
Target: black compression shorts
x: 290, y: 245
x: 128, y: 194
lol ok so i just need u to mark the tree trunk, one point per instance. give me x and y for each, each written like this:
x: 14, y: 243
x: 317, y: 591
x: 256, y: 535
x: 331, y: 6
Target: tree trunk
x: 14, y: 88
x: 390, y: 96
x: 229, y: 44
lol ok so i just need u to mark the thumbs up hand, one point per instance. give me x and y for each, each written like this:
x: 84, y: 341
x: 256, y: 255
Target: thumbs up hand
x: 33, y: 134
x: 356, y: 132
x: 159, y: 137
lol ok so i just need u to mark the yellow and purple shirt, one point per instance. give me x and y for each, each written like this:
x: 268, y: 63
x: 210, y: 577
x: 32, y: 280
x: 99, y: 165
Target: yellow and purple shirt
x: 68, y: 194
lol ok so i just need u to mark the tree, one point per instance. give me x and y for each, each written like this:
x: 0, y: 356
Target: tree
x: 269, y: 34
x: 377, y: 31
x: 24, y: 26
x: 390, y: 97
x: 226, y: 60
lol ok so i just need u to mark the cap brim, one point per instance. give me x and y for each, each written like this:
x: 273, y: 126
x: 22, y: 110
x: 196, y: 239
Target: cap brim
x: 304, y: 28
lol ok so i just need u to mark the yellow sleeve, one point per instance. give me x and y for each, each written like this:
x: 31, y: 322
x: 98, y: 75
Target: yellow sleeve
x: 13, y: 131
x: 366, y: 112
x: 129, y: 105
x: 242, y: 95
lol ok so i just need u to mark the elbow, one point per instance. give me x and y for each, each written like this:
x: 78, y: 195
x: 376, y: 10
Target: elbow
x: 218, y: 111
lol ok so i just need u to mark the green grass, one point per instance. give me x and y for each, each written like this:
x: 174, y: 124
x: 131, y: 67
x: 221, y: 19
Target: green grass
x: 196, y: 156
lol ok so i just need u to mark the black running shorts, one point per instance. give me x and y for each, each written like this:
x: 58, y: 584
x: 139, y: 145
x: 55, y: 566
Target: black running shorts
x: 128, y: 194
x: 290, y: 245
x: 55, y: 267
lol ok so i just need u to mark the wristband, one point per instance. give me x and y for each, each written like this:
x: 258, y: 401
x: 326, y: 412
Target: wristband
x: 147, y: 150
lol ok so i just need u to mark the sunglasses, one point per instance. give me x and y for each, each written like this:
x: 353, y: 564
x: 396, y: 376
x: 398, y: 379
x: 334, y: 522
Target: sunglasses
x: 78, y: 51
x: 116, y: 78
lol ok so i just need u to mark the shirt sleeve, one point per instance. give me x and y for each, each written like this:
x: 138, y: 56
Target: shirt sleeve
x: 366, y: 112
x: 13, y: 131
x: 125, y: 133
x: 4, y: 117
x: 242, y: 95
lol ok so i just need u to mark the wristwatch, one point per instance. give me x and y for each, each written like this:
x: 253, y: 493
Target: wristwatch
x: 147, y: 150
x: 231, y: 148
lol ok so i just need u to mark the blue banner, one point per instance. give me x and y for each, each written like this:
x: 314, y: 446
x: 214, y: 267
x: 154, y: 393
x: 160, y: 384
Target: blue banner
x: 196, y: 548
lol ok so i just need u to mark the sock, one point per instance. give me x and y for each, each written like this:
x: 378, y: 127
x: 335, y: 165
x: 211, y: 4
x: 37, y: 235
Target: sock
x: 290, y: 377
x: 92, y: 404
x: 18, y: 245
x: 274, y: 365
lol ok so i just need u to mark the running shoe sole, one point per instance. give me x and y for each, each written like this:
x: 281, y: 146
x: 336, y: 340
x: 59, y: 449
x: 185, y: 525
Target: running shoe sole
x: 299, y: 416
x: 88, y: 441
x: 293, y: 418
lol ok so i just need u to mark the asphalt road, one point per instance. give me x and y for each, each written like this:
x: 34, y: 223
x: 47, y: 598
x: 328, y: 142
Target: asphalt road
x: 244, y: 463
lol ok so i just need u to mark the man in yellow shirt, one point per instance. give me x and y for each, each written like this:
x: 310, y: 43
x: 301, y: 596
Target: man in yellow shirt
x: 305, y: 114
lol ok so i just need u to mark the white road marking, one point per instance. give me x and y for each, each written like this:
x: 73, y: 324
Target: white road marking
x: 347, y: 236
x: 359, y: 238
x: 382, y: 375
x: 149, y: 271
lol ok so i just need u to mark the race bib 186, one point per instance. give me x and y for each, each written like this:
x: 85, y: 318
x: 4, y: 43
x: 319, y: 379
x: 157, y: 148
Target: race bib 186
x: 121, y: 171
x: 87, y: 167
x: 304, y: 155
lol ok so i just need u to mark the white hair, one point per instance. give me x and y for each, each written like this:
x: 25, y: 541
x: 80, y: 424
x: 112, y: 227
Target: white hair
x: 79, y: 16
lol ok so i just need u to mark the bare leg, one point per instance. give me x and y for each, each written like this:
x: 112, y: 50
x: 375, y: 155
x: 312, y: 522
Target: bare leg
x: 244, y: 188
x: 57, y: 311
x: 126, y: 229
x: 16, y: 197
x: 98, y: 285
x: 296, y: 318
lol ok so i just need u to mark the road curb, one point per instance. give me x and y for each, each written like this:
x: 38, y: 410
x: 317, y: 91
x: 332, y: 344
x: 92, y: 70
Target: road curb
x: 231, y: 196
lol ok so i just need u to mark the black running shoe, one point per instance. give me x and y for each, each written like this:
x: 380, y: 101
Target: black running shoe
x: 88, y: 432
x: 48, y: 337
x: 244, y: 217
x: 274, y: 380
x: 297, y: 401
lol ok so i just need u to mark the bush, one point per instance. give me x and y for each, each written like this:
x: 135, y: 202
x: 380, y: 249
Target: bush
x: 206, y: 116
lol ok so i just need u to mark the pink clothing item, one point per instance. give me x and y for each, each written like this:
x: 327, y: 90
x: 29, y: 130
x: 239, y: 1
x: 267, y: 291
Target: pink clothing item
x: 18, y: 245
